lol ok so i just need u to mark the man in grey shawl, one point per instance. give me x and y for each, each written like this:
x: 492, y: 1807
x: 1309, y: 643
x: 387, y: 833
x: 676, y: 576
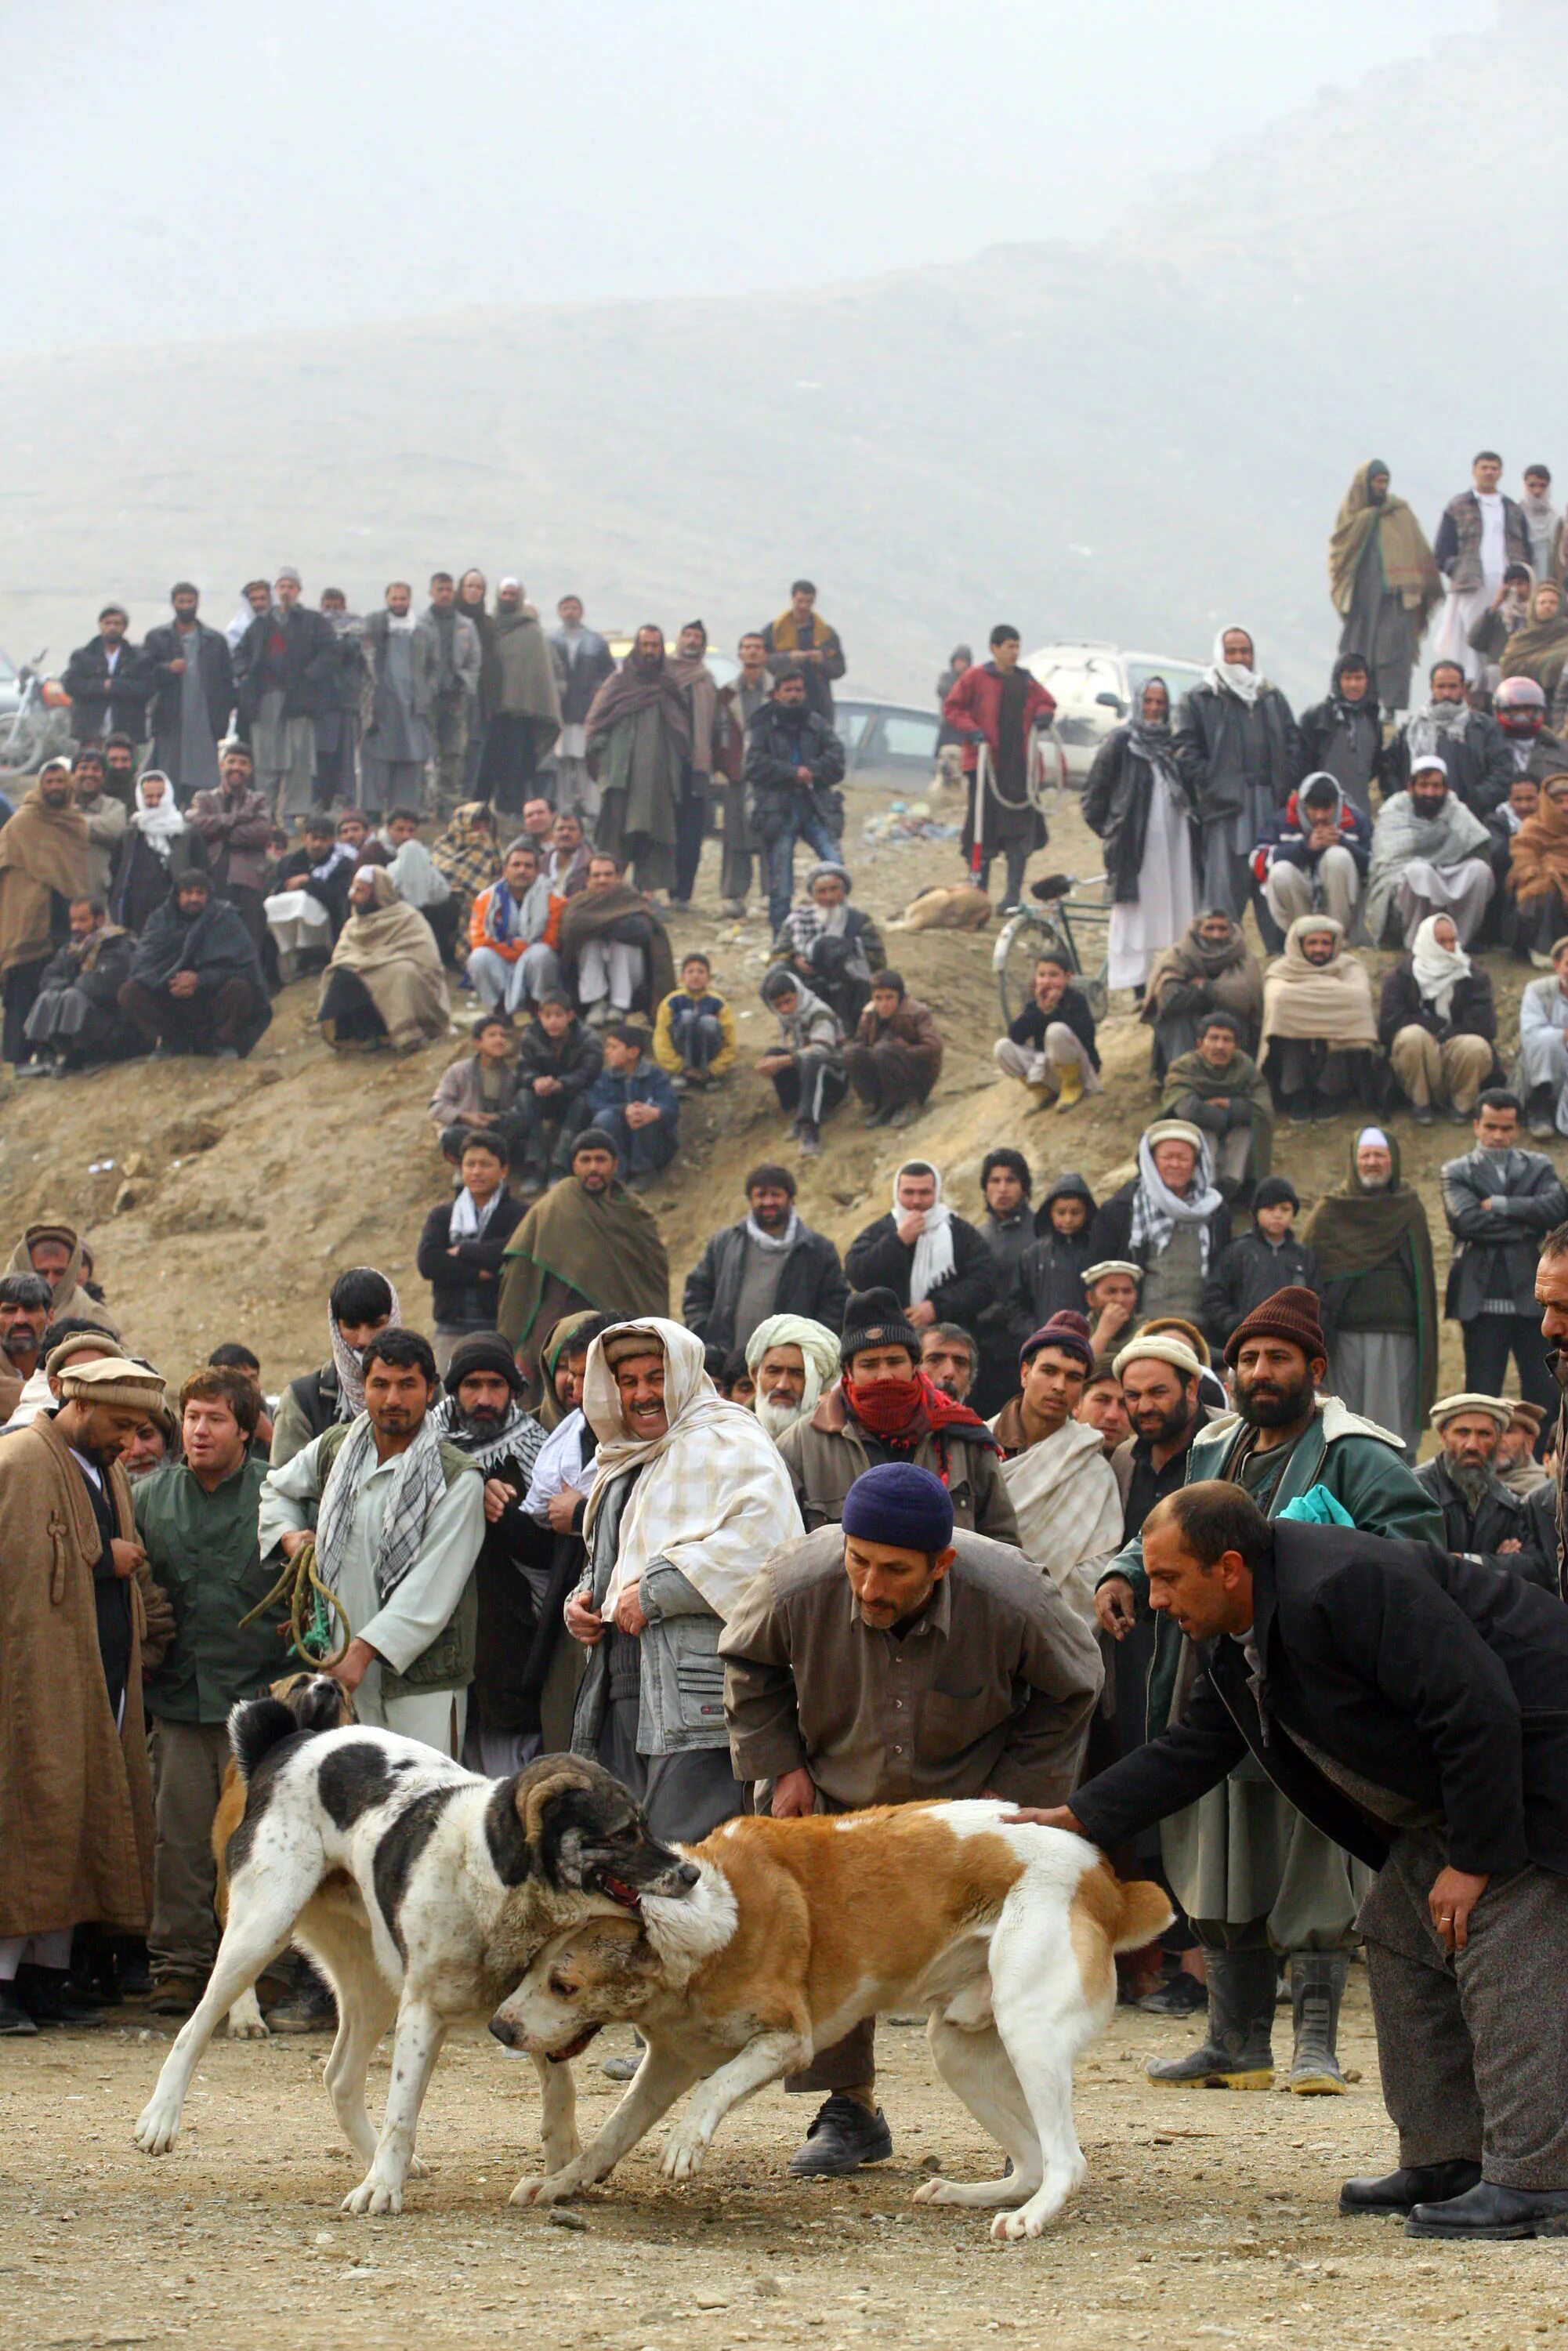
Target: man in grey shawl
x: 402, y: 672
x: 523, y: 700
x: 457, y: 687
x: 1430, y: 856
x: 1239, y: 755
x: 397, y: 1518
x: 639, y: 739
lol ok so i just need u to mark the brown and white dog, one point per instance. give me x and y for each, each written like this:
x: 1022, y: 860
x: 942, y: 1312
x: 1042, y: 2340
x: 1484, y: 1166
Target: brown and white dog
x: 317, y: 1702
x: 800, y: 1928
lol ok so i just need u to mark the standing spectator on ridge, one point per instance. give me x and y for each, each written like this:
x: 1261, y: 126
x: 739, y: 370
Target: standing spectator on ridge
x: 456, y: 686
x: 1007, y: 1230
x: 693, y: 1032
x: 234, y: 826
x: 582, y: 662
x: 998, y: 706
x: 1430, y: 855
x: 639, y: 738
x: 1542, y: 1075
x: 614, y: 949
x: 633, y: 1103
x: 771, y: 1263
x: 806, y: 1066
x: 106, y: 821
x: 938, y: 1268
x: 1500, y: 1202
x: 1240, y: 756
x: 834, y: 945
x: 1471, y: 745
x: 1542, y: 521
x: 1312, y: 854
x: 284, y: 670
x: 794, y: 765
x: 1171, y: 1219
x: 397, y: 1517
x: 1051, y: 1047
x: 803, y: 635
x: 197, y: 985
x: 195, y: 1518
x: 740, y: 701
x: 1318, y: 1024
x: 1137, y: 803
x: 470, y: 606
x: 1220, y: 1089
x: 43, y: 865
x: 1385, y: 583
x: 696, y: 680
x: 1258, y: 1264
x: 1438, y: 1024
x: 254, y: 598
x: 524, y: 708
x: 402, y: 669
x: 883, y: 1407
x: 1341, y: 735
x: 513, y: 935
x: 109, y: 680
x: 1210, y: 968
x: 1378, y: 1289
x: 192, y: 688
x: 1482, y: 533
x: 338, y: 722
x: 895, y: 1056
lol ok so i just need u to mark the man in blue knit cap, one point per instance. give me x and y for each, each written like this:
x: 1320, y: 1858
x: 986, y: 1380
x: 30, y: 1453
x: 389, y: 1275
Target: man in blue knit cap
x: 890, y: 1659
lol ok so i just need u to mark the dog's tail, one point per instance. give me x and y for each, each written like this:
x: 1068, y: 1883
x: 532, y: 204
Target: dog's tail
x: 1144, y: 1911
x: 255, y: 1728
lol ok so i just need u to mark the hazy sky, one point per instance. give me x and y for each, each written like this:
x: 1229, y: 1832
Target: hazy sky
x: 312, y: 162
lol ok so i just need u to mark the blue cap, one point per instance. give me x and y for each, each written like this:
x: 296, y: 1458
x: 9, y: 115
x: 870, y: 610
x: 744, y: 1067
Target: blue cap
x: 898, y: 1504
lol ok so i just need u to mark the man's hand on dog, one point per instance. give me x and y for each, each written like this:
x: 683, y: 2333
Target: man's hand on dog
x: 1046, y: 1816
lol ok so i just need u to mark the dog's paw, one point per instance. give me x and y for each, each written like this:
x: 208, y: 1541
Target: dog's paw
x: 553, y: 2189
x: 1028, y: 2221
x: 156, y: 2129
x: 245, y: 2021
x: 933, y: 2191
x: 683, y: 2156
x: 372, y: 2196
x: 417, y: 2171
x: 560, y: 2151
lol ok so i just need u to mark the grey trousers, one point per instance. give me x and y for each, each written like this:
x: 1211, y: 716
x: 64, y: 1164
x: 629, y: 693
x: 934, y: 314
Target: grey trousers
x: 1289, y: 890
x: 684, y: 1796
x: 188, y: 1760
x: 1461, y: 891
x: 1473, y: 2048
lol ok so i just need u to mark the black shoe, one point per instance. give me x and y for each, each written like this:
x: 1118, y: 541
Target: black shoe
x: 309, y: 2007
x: 41, y: 1993
x: 14, y: 2017
x: 1298, y: 1109
x: 1423, y: 1114
x: 844, y: 2136
x: 1413, y: 2184
x: 1179, y: 1995
x: 1486, y: 2212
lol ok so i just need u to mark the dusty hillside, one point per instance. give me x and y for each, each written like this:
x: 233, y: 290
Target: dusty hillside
x: 221, y: 1198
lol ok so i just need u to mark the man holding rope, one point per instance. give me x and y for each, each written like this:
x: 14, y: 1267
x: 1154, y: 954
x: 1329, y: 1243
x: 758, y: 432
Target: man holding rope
x: 395, y: 1518
x: 999, y: 705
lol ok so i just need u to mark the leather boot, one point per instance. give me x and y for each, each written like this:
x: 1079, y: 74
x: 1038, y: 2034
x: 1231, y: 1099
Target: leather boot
x: 1317, y: 1988
x: 1238, y: 2051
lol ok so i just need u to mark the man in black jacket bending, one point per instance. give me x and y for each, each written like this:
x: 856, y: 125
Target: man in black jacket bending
x: 770, y: 1263
x: 1414, y: 1706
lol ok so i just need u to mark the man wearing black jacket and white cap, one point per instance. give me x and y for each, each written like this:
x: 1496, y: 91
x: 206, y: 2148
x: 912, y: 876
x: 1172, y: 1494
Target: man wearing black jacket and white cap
x: 1413, y: 1707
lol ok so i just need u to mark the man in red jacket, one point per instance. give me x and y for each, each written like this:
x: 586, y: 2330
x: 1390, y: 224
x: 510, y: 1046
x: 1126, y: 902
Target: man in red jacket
x: 999, y: 704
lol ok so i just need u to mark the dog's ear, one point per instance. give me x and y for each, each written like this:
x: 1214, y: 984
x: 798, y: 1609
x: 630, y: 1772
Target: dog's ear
x: 534, y: 1801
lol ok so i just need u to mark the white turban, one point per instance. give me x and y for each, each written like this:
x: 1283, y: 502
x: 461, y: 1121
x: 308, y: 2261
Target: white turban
x: 819, y: 1353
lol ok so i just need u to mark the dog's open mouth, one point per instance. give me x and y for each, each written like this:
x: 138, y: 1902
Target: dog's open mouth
x: 619, y: 1891
x: 573, y: 2048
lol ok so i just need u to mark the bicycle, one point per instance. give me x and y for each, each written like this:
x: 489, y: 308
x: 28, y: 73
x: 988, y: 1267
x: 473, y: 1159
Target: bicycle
x: 1075, y: 926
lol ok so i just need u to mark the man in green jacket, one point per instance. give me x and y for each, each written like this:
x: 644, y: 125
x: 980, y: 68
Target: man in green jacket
x: 197, y: 1520
x: 1254, y: 1877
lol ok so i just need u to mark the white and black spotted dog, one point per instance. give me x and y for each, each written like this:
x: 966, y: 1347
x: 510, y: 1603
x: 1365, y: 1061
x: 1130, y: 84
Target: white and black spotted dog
x: 421, y: 1891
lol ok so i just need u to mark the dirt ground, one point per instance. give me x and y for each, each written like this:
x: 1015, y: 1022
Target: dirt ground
x: 221, y: 1197
x: 1203, y: 2217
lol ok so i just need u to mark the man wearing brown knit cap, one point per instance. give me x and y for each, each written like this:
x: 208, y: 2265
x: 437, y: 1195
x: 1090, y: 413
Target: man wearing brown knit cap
x: 76, y: 1800
x: 1254, y: 1877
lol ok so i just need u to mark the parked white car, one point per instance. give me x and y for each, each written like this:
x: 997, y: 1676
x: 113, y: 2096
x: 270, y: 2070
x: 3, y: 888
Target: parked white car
x: 1096, y: 687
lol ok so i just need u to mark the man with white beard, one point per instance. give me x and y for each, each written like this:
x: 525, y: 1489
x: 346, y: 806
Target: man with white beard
x: 792, y: 1360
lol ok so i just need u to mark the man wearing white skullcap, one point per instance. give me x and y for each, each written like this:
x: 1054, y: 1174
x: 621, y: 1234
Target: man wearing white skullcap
x: 1482, y: 1517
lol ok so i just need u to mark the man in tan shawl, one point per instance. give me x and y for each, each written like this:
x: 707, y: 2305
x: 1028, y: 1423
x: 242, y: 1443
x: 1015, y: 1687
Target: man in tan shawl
x: 639, y: 734
x: 384, y: 980
x: 76, y: 1797
x: 44, y: 859
x: 54, y: 1249
x: 587, y: 1243
x: 1383, y: 581
x: 521, y: 699
x: 1319, y: 1026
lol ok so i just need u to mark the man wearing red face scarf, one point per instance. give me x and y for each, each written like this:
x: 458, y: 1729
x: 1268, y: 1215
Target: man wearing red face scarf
x: 884, y: 1408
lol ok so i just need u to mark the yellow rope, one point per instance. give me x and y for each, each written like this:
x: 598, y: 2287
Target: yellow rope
x: 303, y: 1589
